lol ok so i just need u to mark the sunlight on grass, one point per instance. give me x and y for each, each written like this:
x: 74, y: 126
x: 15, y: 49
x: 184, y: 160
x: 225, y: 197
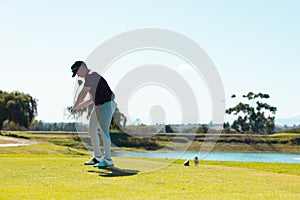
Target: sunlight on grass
x: 22, y: 177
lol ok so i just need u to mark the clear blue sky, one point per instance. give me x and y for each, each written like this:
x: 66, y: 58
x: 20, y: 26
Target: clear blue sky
x: 255, y: 45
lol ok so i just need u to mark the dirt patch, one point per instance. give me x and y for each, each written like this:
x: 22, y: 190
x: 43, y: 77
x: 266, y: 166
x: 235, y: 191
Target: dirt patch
x: 13, y: 142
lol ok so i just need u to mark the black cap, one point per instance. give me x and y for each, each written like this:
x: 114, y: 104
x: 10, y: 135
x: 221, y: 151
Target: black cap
x: 76, y: 66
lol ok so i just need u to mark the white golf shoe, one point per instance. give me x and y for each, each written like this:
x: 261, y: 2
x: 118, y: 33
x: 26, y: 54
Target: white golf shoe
x: 93, y: 161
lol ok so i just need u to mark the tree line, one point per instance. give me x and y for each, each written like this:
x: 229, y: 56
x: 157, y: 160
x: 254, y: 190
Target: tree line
x: 18, y: 111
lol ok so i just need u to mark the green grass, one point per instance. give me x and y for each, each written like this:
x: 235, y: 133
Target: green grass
x: 65, y: 140
x: 64, y: 177
x: 44, y: 148
x: 284, y: 168
x: 285, y: 135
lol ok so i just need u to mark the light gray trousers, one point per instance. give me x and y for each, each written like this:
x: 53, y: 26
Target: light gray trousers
x: 101, y: 117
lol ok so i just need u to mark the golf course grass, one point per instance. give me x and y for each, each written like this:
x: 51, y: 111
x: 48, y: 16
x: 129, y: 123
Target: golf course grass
x: 52, y: 169
x: 65, y: 177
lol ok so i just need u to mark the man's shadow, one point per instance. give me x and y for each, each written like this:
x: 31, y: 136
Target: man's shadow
x: 114, y: 172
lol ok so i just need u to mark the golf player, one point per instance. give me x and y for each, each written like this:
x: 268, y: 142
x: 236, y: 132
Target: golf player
x: 102, y: 98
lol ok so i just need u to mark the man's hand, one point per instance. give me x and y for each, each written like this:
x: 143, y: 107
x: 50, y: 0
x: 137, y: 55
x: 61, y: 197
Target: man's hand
x: 73, y: 109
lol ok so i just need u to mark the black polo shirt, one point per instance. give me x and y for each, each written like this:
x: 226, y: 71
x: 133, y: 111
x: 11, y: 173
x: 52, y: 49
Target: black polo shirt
x: 100, y: 90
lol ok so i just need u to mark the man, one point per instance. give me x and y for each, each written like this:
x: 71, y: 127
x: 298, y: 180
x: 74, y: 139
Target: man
x: 104, y: 106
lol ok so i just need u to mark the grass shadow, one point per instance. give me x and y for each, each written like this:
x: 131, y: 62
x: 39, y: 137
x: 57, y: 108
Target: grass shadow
x: 257, y: 142
x: 114, y: 172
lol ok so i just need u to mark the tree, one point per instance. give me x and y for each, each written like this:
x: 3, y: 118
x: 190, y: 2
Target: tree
x: 169, y: 129
x: 202, y: 129
x: 119, y: 120
x: 253, y: 119
x: 17, y: 107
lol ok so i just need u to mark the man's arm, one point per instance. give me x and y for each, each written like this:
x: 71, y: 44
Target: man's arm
x: 84, y: 104
x: 81, y: 97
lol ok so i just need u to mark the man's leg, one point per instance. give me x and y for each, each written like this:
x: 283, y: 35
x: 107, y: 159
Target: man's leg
x: 93, y: 132
x: 106, y: 112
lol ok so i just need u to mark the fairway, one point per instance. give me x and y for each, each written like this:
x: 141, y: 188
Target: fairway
x: 65, y: 177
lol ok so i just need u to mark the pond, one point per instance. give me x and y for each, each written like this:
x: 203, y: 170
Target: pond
x: 219, y: 156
